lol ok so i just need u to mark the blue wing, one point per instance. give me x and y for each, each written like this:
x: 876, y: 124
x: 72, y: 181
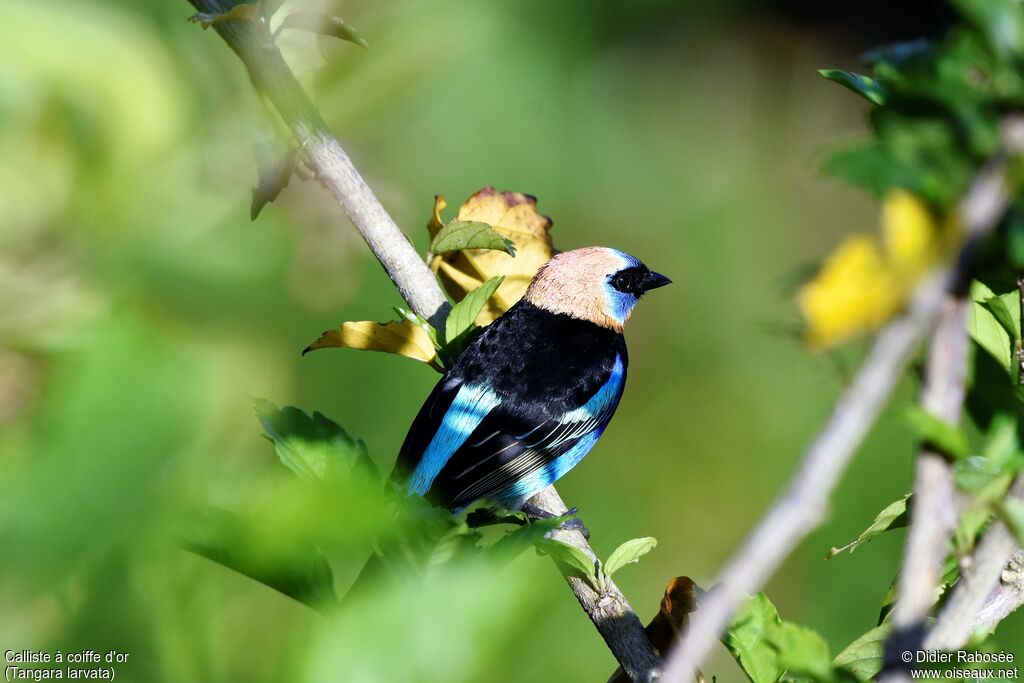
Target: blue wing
x: 505, y: 450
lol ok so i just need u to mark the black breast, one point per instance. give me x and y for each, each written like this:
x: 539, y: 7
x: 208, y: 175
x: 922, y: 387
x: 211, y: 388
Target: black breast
x: 532, y: 352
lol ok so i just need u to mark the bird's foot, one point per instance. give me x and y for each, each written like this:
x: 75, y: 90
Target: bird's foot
x: 573, y: 524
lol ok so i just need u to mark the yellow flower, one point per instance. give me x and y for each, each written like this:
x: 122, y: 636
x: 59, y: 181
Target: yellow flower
x: 866, y: 281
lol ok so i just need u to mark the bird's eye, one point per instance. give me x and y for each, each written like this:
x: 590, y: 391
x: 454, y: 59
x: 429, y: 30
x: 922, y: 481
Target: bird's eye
x: 629, y: 280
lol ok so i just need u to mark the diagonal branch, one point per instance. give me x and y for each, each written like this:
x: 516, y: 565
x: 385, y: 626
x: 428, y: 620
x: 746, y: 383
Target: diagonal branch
x: 252, y: 42
x: 933, y: 512
x: 980, y: 600
x: 802, y: 506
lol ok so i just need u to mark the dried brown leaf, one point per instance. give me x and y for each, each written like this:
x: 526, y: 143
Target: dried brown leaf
x: 514, y: 216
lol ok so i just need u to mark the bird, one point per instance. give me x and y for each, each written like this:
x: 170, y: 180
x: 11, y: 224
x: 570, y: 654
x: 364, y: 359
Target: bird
x: 529, y: 397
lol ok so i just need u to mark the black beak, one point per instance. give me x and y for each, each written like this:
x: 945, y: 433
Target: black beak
x: 654, y: 280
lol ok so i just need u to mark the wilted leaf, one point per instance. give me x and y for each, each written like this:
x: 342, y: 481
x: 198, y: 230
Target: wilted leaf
x: 459, y: 235
x: 324, y: 25
x: 513, y: 216
x: 273, y: 177
x: 400, y: 337
x: 571, y: 558
x: 313, y: 447
x: 436, y: 222
x: 863, y: 657
x: 628, y: 553
x: 747, y: 640
x: 894, y: 516
x: 865, y: 86
x: 947, y: 438
x: 245, y: 11
x: 463, y: 315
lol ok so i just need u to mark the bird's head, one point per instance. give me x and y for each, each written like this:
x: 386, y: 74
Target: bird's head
x: 594, y: 283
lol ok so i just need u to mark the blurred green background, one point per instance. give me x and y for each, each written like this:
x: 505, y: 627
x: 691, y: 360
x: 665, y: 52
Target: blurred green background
x: 140, y: 310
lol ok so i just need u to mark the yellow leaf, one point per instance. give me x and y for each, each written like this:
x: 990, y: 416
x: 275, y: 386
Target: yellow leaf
x: 514, y: 216
x: 401, y: 337
x: 436, y: 222
x: 854, y: 292
x: 909, y: 233
x: 866, y: 281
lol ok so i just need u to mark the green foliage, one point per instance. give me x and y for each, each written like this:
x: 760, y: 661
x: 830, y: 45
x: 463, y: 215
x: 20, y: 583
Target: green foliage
x: 937, y: 433
x: 995, y: 324
x: 458, y: 235
x: 936, y: 106
x: 324, y: 25
x: 893, y: 516
x: 747, y: 640
x: 864, y: 657
x: 460, y: 323
x: 868, y: 88
x: 315, y: 448
x: 629, y: 552
x: 769, y: 649
x: 574, y: 561
x: 300, y: 571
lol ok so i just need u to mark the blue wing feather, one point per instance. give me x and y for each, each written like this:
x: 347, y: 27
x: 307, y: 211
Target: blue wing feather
x: 469, y: 407
x: 507, y: 469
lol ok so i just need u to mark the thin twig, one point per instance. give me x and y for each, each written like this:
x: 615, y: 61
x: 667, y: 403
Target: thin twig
x: 252, y: 42
x: 979, y: 598
x: 802, y: 506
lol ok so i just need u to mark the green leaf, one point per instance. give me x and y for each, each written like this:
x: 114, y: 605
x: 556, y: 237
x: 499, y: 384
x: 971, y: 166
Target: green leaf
x: 801, y: 651
x: 865, y: 165
x: 893, y: 516
x: 572, y: 559
x: 459, y: 235
x: 461, y: 320
x: 865, y: 86
x: 747, y: 640
x: 324, y: 25
x: 947, y: 438
x: 315, y: 448
x: 997, y: 307
x: 863, y: 657
x: 986, y: 329
x: 526, y: 536
x: 1002, y: 21
x: 298, y: 569
x: 419, y: 321
x: 629, y: 552
x: 1011, y: 511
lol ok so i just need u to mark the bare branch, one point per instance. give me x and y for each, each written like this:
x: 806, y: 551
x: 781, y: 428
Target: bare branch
x: 254, y: 45
x: 934, y: 510
x: 802, y: 506
x: 979, y: 599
